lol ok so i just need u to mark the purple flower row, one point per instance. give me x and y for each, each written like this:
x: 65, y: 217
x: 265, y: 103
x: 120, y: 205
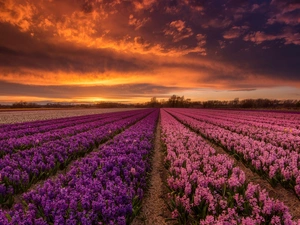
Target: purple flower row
x: 278, y: 121
x: 20, y: 170
x: 38, y: 123
x: 105, y: 187
x: 206, y: 187
x: 286, y: 138
x: 31, y: 128
x: 280, y: 165
x: 58, y: 131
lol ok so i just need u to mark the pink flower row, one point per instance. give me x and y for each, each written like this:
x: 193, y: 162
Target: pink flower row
x: 206, y: 187
x: 258, y: 120
x: 287, y: 138
x: 278, y: 164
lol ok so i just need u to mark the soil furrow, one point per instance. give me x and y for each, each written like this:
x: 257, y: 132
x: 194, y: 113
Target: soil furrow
x: 154, y: 211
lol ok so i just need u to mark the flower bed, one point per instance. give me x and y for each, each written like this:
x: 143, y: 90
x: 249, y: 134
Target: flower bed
x: 38, y: 135
x: 207, y: 188
x: 280, y: 136
x: 278, y: 164
x: 20, y: 170
x: 105, y: 187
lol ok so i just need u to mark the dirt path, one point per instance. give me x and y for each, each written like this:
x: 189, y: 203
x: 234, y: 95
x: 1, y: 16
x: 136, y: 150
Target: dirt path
x: 286, y: 196
x: 154, y: 210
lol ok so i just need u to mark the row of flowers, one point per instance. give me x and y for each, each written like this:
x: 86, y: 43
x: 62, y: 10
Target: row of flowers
x: 30, y: 128
x: 20, y: 170
x: 206, y: 187
x: 286, y: 138
x: 276, y: 118
x: 287, y: 122
x: 279, y: 165
x: 105, y: 187
x: 38, y: 124
x: 58, y: 130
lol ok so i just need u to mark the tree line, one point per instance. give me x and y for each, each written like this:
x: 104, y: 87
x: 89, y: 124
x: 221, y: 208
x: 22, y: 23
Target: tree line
x: 174, y: 101
x: 180, y: 102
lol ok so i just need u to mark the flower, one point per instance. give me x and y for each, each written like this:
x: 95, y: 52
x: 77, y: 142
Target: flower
x: 132, y: 171
x: 175, y: 213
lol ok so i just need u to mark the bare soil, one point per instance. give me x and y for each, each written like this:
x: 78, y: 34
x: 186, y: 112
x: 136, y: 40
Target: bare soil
x: 154, y: 210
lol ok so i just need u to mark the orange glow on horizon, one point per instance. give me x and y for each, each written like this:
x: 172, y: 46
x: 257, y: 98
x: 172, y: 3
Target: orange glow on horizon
x: 91, y: 51
x: 76, y: 100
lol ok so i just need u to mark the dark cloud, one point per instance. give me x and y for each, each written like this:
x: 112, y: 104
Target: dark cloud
x: 68, y: 61
x: 245, y: 89
x: 33, y: 54
x: 73, y: 91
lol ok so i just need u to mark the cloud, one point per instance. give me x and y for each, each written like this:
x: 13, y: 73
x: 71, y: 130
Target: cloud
x: 217, y: 23
x: 96, y: 25
x: 239, y: 12
x: 245, y: 89
x: 222, y: 44
x: 260, y: 37
x: 201, y: 42
x: 136, y: 22
x: 235, y: 32
x: 255, y: 7
x: 17, y: 13
x: 178, y: 30
x: 79, y: 91
x: 176, y: 6
x: 91, y: 42
x: 285, y: 18
x: 62, y: 59
x: 144, y: 4
x: 285, y: 13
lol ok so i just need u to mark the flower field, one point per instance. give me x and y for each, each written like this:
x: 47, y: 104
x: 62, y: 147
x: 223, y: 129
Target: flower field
x: 259, y: 148
x: 206, y: 187
x: 21, y: 116
x: 94, y: 169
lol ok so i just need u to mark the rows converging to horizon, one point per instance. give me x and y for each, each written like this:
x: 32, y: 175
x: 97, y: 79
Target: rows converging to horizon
x: 96, y: 168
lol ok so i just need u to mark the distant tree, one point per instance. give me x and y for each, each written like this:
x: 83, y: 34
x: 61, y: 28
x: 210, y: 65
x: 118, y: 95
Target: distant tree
x: 177, y: 101
x: 172, y: 101
x: 234, y: 103
x: 154, y: 102
x: 163, y: 102
x: 248, y: 103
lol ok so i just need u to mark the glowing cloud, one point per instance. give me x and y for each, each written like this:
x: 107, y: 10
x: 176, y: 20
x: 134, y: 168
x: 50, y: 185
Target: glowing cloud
x: 154, y: 47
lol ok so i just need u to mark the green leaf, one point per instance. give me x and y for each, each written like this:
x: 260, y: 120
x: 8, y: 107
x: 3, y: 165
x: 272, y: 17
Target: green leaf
x: 8, y: 217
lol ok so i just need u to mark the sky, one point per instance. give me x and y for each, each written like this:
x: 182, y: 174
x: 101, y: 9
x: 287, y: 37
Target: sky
x: 132, y: 50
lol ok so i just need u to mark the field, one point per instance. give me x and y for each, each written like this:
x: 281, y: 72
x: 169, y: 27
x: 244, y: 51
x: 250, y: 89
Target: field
x: 26, y: 115
x: 149, y: 166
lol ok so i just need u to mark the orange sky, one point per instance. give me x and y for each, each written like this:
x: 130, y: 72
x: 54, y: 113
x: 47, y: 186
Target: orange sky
x: 92, y: 50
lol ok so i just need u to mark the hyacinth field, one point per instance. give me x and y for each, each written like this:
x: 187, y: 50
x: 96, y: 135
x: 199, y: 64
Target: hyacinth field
x: 95, y: 168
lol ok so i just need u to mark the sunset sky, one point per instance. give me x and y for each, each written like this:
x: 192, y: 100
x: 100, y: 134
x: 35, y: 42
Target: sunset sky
x: 130, y: 51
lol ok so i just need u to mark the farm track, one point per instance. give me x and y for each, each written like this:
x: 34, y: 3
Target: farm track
x: 287, y: 196
x: 154, y: 210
